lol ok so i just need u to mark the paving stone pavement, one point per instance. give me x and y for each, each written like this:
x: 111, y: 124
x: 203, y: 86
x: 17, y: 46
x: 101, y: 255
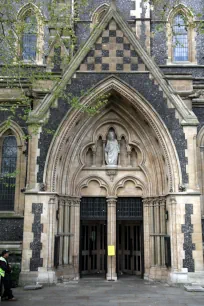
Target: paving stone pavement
x: 97, y: 292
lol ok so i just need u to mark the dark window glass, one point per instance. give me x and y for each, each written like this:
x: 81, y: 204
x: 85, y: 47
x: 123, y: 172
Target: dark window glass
x: 180, y: 39
x: 8, y: 176
x: 29, y: 39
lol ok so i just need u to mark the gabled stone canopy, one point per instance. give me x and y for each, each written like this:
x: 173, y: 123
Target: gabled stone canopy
x: 186, y: 116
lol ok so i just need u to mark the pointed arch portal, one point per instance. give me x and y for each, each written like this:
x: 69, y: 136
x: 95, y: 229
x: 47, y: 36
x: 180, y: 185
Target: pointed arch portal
x: 129, y: 113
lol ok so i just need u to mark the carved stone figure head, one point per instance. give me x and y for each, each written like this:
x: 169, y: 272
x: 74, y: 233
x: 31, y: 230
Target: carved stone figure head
x: 111, y: 135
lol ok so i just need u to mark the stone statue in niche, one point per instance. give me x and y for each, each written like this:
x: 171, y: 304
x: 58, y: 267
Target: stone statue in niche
x: 112, y: 149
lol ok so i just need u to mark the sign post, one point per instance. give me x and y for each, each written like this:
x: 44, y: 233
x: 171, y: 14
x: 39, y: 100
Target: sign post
x: 111, y: 253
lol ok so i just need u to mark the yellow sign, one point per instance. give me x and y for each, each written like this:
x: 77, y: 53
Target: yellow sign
x: 111, y: 250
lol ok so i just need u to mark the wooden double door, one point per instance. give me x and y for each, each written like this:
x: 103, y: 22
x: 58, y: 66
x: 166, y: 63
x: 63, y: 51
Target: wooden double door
x: 129, y: 248
x: 93, y: 247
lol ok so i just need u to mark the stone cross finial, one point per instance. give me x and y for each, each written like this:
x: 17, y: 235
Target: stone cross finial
x: 113, y: 4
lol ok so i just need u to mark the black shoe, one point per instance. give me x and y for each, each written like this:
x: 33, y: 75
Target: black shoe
x: 12, y: 299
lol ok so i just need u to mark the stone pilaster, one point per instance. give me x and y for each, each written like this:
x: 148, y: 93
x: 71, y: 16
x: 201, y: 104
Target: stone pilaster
x: 154, y: 232
x: 147, y: 226
x: 74, y: 234
x: 111, y: 267
x: 173, y: 233
x: 33, y: 153
x: 61, y: 229
x: 66, y: 234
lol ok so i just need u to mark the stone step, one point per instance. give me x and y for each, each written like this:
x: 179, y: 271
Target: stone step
x: 194, y: 288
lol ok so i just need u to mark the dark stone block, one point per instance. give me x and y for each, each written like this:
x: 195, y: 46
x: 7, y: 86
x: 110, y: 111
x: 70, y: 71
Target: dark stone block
x: 36, y: 263
x: 105, y: 40
x: 112, y: 33
x: 119, y: 53
x: 188, y: 246
x: 105, y: 67
x: 126, y: 60
x: 133, y: 53
x: 119, y: 40
x: 11, y: 229
x: 36, y: 245
x: 90, y: 67
x: 98, y: 46
x: 126, y: 46
x: 105, y: 53
x: 119, y: 67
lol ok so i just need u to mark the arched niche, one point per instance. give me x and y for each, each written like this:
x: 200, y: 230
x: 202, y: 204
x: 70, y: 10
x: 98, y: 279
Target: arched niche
x: 92, y: 187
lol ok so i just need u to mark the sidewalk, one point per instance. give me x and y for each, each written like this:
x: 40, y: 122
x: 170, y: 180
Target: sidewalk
x: 96, y: 292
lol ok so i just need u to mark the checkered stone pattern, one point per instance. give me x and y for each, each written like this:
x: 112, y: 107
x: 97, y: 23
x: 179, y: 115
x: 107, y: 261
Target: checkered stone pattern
x: 112, y: 52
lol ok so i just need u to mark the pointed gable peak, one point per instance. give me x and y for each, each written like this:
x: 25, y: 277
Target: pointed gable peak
x: 113, y: 19
x: 112, y: 52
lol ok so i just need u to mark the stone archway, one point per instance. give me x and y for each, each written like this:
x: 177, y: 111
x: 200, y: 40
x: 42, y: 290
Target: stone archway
x: 148, y: 167
x: 127, y: 103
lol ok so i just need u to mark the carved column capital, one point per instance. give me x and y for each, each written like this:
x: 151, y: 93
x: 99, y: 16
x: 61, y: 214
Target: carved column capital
x: 147, y: 202
x: 52, y: 200
x: 76, y: 201
x: 61, y: 201
x: 173, y: 201
x: 111, y: 201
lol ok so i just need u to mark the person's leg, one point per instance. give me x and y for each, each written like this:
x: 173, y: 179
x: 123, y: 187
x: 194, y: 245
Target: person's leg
x: 7, y: 288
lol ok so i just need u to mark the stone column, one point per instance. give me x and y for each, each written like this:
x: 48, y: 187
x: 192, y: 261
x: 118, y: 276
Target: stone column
x: 104, y: 145
x: 111, y: 267
x: 52, y: 224
x: 147, y: 224
x: 173, y: 234
x: 152, y: 231
x: 33, y: 151
x: 61, y: 229
x: 76, y: 203
x: 162, y: 205
x: 66, y: 232
x: 157, y: 232
x: 191, y: 154
x: 74, y: 235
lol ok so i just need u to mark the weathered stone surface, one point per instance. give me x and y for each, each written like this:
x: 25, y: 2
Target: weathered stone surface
x: 194, y: 288
x: 33, y: 287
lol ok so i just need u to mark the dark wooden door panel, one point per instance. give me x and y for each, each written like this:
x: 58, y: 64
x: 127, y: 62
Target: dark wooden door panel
x: 93, y: 247
x: 129, y: 248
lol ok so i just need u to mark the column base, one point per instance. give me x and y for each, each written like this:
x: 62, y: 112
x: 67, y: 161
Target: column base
x: 184, y: 277
x: 111, y: 278
x: 157, y: 273
x: 42, y: 277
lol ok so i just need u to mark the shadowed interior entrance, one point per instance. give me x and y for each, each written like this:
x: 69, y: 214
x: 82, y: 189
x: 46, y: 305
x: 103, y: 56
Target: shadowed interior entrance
x: 129, y: 236
x: 93, y: 259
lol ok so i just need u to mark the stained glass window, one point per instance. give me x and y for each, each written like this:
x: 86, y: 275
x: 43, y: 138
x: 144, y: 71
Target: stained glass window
x: 8, y: 176
x: 180, y: 39
x: 29, y: 39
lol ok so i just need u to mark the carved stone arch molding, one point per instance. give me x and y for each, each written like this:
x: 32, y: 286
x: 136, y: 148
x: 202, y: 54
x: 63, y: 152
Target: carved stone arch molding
x: 138, y: 115
x: 98, y: 182
x: 141, y: 189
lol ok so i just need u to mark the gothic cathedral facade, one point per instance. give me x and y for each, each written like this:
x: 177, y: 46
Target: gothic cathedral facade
x: 128, y: 178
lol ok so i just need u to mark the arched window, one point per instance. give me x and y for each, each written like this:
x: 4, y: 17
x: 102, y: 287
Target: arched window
x: 29, y: 38
x: 181, y: 36
x: 31, y: 35
x: 8, y: 172
x: 180, y: 39
x: 98, y: 14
